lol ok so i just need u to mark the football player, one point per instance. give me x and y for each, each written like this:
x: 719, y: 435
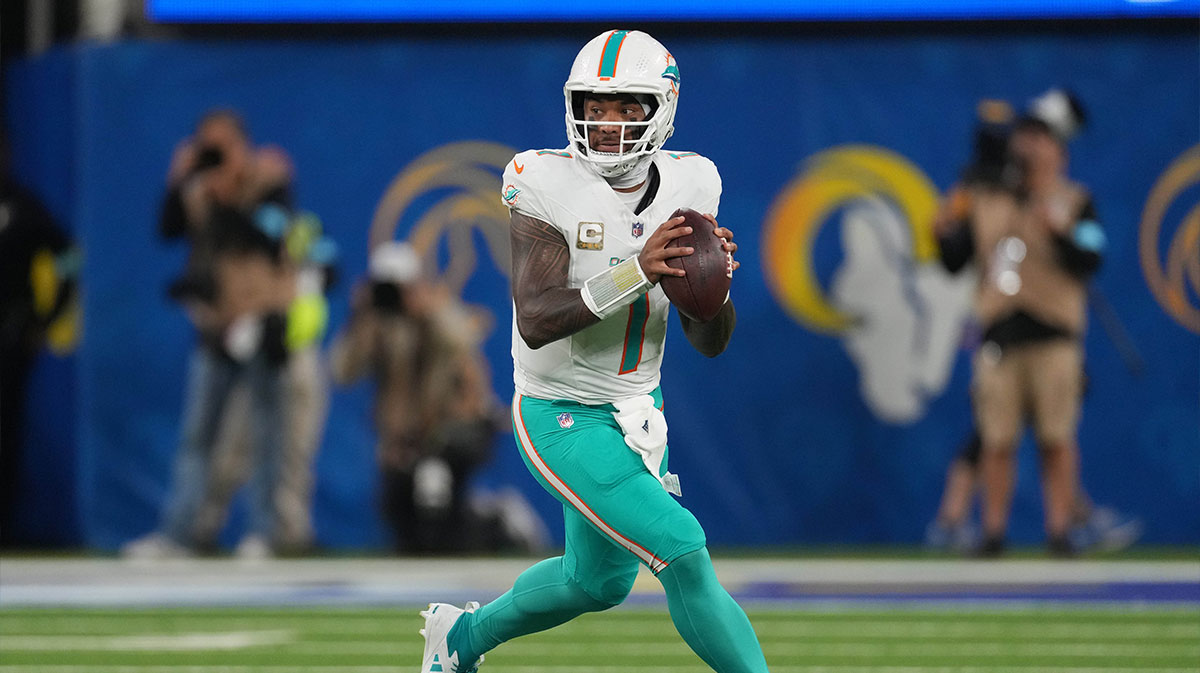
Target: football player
x: 590, y: 228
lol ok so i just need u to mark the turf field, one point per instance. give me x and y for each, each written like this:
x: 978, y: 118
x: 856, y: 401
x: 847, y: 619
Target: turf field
x: 870, y: 639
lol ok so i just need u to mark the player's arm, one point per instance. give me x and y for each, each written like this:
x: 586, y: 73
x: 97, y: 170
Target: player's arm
x: 711, y: 338
x: 546, y: 308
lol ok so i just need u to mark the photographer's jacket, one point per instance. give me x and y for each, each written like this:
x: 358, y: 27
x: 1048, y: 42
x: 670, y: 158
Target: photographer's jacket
x: 1034, y: 256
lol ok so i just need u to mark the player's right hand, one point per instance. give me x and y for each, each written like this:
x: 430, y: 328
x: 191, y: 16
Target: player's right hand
x: 655, y: 253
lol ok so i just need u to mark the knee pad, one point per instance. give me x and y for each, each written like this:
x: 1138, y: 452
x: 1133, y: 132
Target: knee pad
x: 609, y: 591
x: 602, y: 582
x: 681, y: 535
x: 693, y: 569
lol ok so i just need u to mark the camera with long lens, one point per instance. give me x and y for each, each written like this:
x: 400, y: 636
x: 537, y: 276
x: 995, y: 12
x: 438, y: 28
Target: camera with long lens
x: 392, y: 268
x: 387, y: 297
x: 208, y: 157
x: 992, y: 164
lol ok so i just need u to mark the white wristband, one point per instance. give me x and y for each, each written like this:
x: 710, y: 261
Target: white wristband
x: 615, y: 287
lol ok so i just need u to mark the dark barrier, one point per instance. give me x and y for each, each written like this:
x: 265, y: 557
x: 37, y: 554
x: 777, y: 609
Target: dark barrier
x: 834, y: 413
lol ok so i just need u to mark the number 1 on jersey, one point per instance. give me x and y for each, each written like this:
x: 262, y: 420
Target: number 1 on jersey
x: 635, y: 334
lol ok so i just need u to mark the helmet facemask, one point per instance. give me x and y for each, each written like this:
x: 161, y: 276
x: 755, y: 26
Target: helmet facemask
x: 637, y: 139
x: 626, y: 63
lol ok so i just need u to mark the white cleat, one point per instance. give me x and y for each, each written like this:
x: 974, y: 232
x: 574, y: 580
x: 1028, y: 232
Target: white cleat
x: 439, y: 618
x: 154, y: 547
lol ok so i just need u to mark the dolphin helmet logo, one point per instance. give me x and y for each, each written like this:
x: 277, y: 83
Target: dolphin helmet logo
x: 672, y: 74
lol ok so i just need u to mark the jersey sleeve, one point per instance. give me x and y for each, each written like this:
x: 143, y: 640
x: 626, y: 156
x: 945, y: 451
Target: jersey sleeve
x: 522, y: 190
x: 708, y: 186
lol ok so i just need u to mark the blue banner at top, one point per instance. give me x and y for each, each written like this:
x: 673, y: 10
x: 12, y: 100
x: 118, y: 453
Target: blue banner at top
x: 208, y: 11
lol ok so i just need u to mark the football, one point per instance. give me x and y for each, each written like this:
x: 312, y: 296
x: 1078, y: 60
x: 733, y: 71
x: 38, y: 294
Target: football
x: 702, y: 292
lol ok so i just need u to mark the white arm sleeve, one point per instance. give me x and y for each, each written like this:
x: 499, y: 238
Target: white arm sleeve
x: 615, y: 288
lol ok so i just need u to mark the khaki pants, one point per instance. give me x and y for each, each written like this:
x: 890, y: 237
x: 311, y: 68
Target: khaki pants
x: 1038, y: 383
x: 306, y: 401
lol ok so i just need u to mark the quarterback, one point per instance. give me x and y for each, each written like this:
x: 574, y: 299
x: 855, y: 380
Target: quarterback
x: 590, y: 228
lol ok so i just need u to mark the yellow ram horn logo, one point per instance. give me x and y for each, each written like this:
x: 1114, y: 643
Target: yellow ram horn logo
x: 469, y: 175
x: 831, y: 180
x: 1169, y: 282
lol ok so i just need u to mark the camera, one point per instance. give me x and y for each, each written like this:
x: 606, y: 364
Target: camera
x: 387, y: 297
x: 991, y: 163
x: 193, y: 286
x: 208, y: 157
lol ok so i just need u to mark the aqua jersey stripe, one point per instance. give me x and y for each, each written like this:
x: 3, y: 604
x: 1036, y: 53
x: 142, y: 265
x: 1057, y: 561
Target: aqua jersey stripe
x: 612, y: 48
x: 635, y: 334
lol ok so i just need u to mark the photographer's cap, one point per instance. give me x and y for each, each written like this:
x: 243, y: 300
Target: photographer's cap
x: 396, y: 262
x: 1059, y: 111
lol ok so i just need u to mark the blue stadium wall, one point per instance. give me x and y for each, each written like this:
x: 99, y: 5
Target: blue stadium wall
x: 774, y: 440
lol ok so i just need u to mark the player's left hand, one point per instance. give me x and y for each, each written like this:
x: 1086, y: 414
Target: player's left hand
x: 727, y: 236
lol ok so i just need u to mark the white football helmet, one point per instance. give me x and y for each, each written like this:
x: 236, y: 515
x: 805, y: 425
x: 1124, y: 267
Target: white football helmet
x: 616, y: 62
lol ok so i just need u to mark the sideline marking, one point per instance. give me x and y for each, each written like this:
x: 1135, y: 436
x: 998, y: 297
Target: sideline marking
x: 175, y: 642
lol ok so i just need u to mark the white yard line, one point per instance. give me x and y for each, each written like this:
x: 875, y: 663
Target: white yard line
x: 799, y: 627
x: 104, y: 668
x: 930, y: 630
x: 973, y: 650
x: 518, y: 668
x: 467, y: 573
x: 845, y: 669
x: 861, y: 650
x: 175, y: 642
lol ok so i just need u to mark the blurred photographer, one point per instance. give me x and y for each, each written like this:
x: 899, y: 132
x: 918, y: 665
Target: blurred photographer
x: 435, y: 413
x: 39, y: 273
x: 305, y: 400
x: 231, y: 203
x: 1033, y: 236
x: 216, y: 170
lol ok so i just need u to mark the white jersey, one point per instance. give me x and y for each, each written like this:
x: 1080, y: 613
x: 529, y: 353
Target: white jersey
x: 619, y: 357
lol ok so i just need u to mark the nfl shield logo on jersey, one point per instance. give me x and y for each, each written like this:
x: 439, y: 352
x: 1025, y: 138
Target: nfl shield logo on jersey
x: 565, y: 420
x: 638, y: 230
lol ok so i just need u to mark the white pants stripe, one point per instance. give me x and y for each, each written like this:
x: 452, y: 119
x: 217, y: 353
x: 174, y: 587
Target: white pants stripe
x: 653, y: 562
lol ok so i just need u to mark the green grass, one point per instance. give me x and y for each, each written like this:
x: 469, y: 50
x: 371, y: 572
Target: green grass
x: 870, y: 640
